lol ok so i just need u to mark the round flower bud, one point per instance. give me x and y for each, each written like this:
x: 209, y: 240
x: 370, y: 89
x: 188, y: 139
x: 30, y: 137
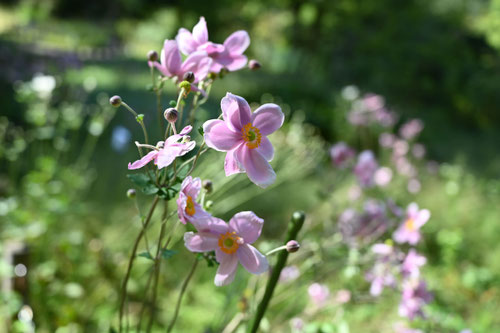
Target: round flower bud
x: 292, y: 246
x: 209, y: 204
x: 186, y: 85
x: 116, y: 101
x: 170, y: 115
x: 254, y: 65
x: 152, y: 55
x: 131, y: 193
x: 208, y: 186
x: 189, y: 77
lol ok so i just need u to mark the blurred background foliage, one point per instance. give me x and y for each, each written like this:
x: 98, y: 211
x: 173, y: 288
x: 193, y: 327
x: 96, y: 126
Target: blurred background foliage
x: 63, y: 153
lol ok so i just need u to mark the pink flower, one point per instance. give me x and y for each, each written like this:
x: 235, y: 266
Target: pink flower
x: 231, y: 243
x: 412, y: 263
x: 289, y: 273
x: 171, y: 64
x: 341, y: 154
x: 318, y: 293
x: 409, y: 230
x: 383, y: 176
x: 414, y: 296
x: 243, y: 135
x: 166, y: 151
x: 228, y: 55
x: 365, y: 168
x: 187, y: 207
x: 411, y: 129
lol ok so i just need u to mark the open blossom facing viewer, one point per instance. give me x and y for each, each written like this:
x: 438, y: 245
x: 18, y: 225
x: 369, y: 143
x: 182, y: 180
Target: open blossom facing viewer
x: 228, y: 55
x: 409, y: 230
x: 166, y: 151
x: 243, y: 135
x: 231, y: 243
x: 187, y: 207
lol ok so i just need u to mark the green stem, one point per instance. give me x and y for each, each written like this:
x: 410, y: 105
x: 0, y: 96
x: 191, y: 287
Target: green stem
x: 141, y: 122
x: 183, y: 290
x: 293, y: 229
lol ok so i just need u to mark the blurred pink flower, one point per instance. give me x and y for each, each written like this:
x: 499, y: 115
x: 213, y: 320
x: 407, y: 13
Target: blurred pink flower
x: 387, y: 140
x: 318, y: 293
x: 373, y: 102
x: 297, y: 324
x: 228, y: 55
x: 414, y: 186
x: 418, y: 150
x: 414, y: 296
x: 383, y: 272
x: 411, y: 129
x: 289, y: 273
x: 243, y: 135
x: 365, y: 168
x: 400, y: 148
x: 171, y: 64
x: 341, y: 154
x: 412, y: 263
x: 231, y: 243
x: 166, y: 151
x: 343, y: 296
x: 188, y: 209
x: 409, y: 230
x: 383, y: 176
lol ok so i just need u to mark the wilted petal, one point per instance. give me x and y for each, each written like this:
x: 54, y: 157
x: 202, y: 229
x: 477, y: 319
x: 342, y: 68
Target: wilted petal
x: 200, y: 31
x: 237, y: 42
x: 235, y: 111
x: 200, y: 242
x: 186, y: 42
x: 247, y: 225
x: 256, y: 166
x: 253, y: 261
x: 143, y: 161
x: 227, y: 268
x: 266, y: 149
x: 231, y: 164
x: 268, y: 118
x: 219, y: 137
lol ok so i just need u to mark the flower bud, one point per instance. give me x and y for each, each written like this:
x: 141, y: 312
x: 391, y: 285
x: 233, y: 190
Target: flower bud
x: 116, y: 101
x: 298, y: 217
x: 212, y: 76
x: 152, y: 55
x: 208, y: 186
x: 131, y: 193
x: 292, y: 246
x: 209, y: 204
x: 254, y: 65
x: 189, y: 77
x: 170, y: 115
x: 186, y: 85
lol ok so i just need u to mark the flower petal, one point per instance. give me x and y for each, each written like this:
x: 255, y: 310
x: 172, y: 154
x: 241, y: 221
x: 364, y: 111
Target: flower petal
x: 256, y: 166
x: 200, y: 31
x: 412, y: 210
x: 200, y: 242
x: 212, y: 225
x: 247, y: 225
x: 253, y: 261
x: 266, y: 149
x: 231, y: 164
x: 197, y: 62
x: 219, y: 137
x: 227, y: 268
x: 237, y: 62
x: 235, y: 111
x: 237, y: 42
x: 186, y: 42
x: 268, y: 118
x: 143, y: 161
x: 167, y: 155
x: 191, y: 186
x: 171, y: 57
x: 422, y: 217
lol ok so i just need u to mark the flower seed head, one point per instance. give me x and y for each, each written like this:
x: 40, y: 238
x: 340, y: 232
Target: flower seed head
x: 292, y: 246
x: 254, y: 65
x: 170, y: 115
x: 188, y: 76
x: 152, y: 55
x: 116, y: 101
x: 131, y: 193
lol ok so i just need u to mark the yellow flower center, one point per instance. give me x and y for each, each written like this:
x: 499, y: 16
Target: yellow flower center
x: 229, y: 242
x: 410, y: 225
x: 190, y: 210
x: 251, y: 135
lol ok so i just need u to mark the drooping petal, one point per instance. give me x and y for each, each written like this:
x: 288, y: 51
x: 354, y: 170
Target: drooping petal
x: 253, y: 261
x: 235, y: 111
x: 191, y: 186
x: 256, y: 166
x: 200, y: 242
x: 143, y: 161
x: 186, y: 42
x: 268, y: 118
x: 247, y: 225
x: 200, y: 32
x: 227, y: 268
x: 231, y: 164
x: 266, y: 149
x: 197, y: 62
x: 171, y: 57
x: 237, y: 62
x: 186, y: 130
x: 212, y: 225
x: 219, y: 137
x: 161, y: 69
x: 237, y: 42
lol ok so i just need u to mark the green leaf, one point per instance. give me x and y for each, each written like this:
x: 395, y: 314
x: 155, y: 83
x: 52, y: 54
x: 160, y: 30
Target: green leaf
x: 144, y: 183
x: 146, y: 255
x: 167, y: 254
x: 173, y: 103
x: 200, y: 130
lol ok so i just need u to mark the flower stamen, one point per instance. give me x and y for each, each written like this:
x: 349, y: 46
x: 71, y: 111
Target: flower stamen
x: 229, y: 242
x: 251, y: 135
x: 190, y: 209
x: 410, y: 225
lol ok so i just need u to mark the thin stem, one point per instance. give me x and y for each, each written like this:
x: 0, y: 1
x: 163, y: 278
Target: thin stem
x: 131, y: 260
x: 293, y: 229
x: 140, y: 121
x: 281, y: 248
x: 196, y: 158
x: 183, y: 289
x: 178, y: 105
